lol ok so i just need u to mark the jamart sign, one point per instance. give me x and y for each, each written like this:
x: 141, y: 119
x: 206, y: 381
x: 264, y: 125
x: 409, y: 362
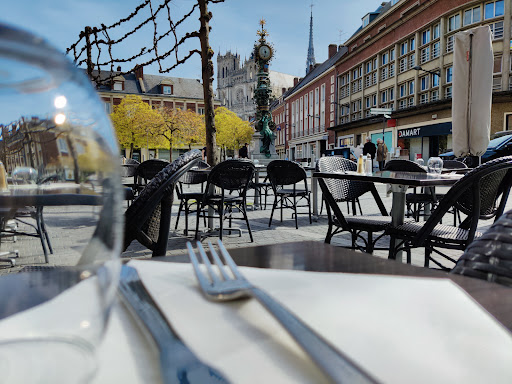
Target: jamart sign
x: 412, y: 132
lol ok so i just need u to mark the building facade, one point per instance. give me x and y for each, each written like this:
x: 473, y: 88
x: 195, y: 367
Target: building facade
x: 380, y: 70
x: 236, y: 83
x: 159, y: 92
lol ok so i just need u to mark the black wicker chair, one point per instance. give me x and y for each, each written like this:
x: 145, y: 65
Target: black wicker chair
x: 146, y: 171
x: 415, y: 202
x: 189, y: 199
x: 283, y: 174
x: 148, y: 218
x: 232, y: 178
x: 452, y: 164
x: 335, y: 191
x: 476, y: 195
x: 262, y: 188
x: 490, y: 256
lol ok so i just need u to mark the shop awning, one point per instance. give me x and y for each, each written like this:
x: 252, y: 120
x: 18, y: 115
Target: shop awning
x: 426, y: 130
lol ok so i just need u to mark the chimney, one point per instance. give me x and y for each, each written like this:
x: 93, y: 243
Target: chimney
x: 311, y: 66
x: 118, y: 68
x: 295, y: 81
x: 332, y: 50
x: 283, y: 90
x: 139, y: 72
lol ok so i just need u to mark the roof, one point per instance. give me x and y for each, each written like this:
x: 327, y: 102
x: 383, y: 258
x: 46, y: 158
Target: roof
x: 182, y: 87
x: 382, y: 8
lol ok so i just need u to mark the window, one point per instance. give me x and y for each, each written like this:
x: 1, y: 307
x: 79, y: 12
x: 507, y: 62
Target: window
x: 449, y: 44
x: 402, y: 90
x: 385, y: 58
x: 383, y: 97
x: 497, y: 30
x: 108, y: 107
x: 366, y: 20
x: 403, y: 48
x: 454, y: 23
x: 425, y: 37
x: 471, y: 16
x: 493, y: 9
x: 200, y: 111
x: 435, y: 81
x: 425, y: 55
x: 118, y: 86
x: 436, y: 32
x: 449, y: 74
x: 413, y: 47
x: 424, y: 83
x: 167, y: 89
x: 411, y: 87
x: 497, y: 64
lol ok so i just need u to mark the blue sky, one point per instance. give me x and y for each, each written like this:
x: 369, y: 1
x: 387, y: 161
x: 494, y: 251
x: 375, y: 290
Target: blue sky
x: 234, y: 26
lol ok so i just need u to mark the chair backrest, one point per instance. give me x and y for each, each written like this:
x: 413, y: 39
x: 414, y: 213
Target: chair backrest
x: 476, y: 194
x: 453, y: 164
x: 232, y: 175
x: 490, y: 256
x: 336, y: 190
x: 149, y: 168
x: 147, y: 219
x: 132, y: 161
x: 192, y: 177
x: 285, y: 172
x: 342, y: 190
x: 402, y: 165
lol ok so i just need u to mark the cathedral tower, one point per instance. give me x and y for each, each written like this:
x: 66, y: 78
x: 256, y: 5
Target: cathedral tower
x: 310, y: 62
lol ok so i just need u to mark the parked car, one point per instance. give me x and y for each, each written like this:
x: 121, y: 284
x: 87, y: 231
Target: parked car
x: 500, y: 146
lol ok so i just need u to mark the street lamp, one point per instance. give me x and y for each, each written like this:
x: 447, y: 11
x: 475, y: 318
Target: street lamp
x: 436, y: 72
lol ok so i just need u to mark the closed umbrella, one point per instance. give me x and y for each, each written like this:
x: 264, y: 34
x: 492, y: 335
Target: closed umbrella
x: 472, y: 91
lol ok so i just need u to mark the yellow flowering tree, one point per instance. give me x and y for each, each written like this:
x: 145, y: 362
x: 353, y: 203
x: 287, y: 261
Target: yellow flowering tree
x: 232, y: 131
x: 135, y: 123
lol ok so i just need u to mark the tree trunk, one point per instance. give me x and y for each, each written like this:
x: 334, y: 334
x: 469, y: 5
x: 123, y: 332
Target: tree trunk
x: 207, y: 72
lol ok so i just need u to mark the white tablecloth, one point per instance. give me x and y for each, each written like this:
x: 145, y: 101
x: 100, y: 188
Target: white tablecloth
x: 401, y: 329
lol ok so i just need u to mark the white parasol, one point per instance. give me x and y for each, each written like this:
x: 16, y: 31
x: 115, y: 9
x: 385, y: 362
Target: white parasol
x: 472, y: 91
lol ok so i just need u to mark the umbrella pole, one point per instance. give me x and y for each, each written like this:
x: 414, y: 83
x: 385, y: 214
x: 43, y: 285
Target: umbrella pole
x: 470, y: 91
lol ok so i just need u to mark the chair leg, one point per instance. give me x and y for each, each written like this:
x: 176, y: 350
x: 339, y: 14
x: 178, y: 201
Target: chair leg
x: 274, y: 206
x: 328, y: 237
x: 186, y: 211
x: 45, y: 232
x: 282, y: 200
x: 309, y: 209
x: 359, y: 204
x: 295, y: 210
x: 369, y: 246
x: 178, y: 217
x: 428, y: 252
x: 197, y: 221
x: 244, y: 212
x: 221, y: 216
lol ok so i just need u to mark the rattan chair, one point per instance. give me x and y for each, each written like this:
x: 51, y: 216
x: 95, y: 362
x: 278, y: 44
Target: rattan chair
x: 148, y: 218
x: 452, y: 164
x: 146, y: 171
x: 231, y: 178
x: 285, y: 175
x: 480, y: 194
x: 335, y: 191
x: 490, y: 256
x: 415, y: 202
x: 189, y: 199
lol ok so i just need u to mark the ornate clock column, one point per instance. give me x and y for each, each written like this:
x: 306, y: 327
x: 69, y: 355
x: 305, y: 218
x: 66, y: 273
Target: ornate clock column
x: 264, y: 125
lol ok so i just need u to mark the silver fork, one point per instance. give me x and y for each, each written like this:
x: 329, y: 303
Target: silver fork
x: 337, y: 366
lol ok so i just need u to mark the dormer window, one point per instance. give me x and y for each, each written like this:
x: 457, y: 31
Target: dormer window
x: 366, y: 20
x: 166, y: 87
x: 118, y: 83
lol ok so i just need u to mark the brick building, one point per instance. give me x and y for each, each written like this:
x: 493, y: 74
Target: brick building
x: 158, y: 91
x: 377, y: 68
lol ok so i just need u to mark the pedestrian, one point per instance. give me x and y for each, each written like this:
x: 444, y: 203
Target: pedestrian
x: 203, y: 153
x: 243, y: 152
x: 382, y: 153
x: 369, y: 148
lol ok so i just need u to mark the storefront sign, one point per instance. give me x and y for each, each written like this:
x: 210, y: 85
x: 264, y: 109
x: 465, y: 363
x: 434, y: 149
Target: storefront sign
x: 426, y: 130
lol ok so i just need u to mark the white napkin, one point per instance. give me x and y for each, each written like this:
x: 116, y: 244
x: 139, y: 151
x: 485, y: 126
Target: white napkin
x: 400, y: 329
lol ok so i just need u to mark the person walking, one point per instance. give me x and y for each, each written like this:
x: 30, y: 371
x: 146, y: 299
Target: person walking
x: 382, y: 153
x: 243, y: 152
x: 369, y: 149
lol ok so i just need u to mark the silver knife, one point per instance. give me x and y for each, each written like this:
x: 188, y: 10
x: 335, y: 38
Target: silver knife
x: 178, y: 363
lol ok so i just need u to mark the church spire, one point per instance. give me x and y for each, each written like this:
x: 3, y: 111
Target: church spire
x: 311, y: 51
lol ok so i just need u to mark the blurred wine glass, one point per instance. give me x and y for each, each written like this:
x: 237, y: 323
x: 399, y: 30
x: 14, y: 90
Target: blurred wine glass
x: 61, y: 156
x: 435, y: 165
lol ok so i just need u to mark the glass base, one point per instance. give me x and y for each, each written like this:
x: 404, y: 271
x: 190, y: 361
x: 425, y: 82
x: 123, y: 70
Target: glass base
x: 47, y: 361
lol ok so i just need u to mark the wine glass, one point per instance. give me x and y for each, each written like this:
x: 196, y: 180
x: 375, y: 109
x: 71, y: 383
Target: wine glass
x: 435, y: 165
x: 62, y: 162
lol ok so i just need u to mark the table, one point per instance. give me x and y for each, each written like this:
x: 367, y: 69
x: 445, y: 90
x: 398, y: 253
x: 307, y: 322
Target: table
x: 400, y: 182
x: 322, y: 257
x: 39, y: 196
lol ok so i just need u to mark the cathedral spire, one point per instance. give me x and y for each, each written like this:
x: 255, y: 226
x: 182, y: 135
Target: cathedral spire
x: 311, y: 51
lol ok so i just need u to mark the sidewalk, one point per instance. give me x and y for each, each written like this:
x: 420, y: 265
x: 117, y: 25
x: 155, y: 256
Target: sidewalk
x: 71, y: 228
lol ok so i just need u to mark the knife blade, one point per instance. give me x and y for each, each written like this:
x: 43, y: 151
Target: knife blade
x: 178, y: 363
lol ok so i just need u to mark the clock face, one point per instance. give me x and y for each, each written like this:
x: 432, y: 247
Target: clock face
x: 265, y: 52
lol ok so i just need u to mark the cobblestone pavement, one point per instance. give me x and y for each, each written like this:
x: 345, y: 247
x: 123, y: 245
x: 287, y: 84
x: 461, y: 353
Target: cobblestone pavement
x: 71, y: 228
